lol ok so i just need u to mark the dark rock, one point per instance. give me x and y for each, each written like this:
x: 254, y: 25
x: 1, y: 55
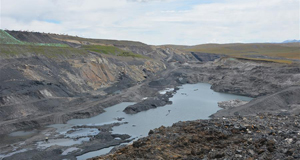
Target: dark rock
x: 150, y: 132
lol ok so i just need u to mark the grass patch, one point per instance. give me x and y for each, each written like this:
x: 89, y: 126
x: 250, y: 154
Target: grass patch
x: 264, y: 59
x: 11, y: 46
x: 9, y: 50
x: 103, y: 49
x: 130, y: 54
x: 112, y: 50
x: 289, y: 51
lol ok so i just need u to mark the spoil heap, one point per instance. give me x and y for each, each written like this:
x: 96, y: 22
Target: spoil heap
x: 253, y: 137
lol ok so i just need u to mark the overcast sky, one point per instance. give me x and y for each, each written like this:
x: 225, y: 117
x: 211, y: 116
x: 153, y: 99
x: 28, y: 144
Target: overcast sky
x: 185, y: 22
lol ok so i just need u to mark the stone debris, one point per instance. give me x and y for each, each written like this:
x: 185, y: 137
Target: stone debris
x: 231, y: 104
x: 264, y: 136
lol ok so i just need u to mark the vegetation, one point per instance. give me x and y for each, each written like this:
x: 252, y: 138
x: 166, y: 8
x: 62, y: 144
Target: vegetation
x: 264, y: 59
x: 97, y: 41
x: 112, y: 50
x: 130, y: 54
x: 103, y: 49
x: 11, y: 46
x: 280, y: 53
x: 6, y: 38
x: 48, y: 51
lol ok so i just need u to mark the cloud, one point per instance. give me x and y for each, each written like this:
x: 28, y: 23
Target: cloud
x: 158, y: 21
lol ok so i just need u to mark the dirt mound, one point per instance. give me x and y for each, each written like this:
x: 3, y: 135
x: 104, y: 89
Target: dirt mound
x: 228, y: 138
x: 283, y: 101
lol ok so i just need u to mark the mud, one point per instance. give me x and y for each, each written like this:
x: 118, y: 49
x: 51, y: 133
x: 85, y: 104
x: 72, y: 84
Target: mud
x: 102, y: 140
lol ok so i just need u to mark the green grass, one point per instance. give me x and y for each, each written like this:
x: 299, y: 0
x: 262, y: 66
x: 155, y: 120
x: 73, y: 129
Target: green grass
x: 103, y: 49
x: 9, y: 50
x: 290, y: 51
x: 98, y: 41
x: 264, y: 59
x: 130, y: 54
x: 6, y: 38
x: 11, y: 46
x: 111, y: 50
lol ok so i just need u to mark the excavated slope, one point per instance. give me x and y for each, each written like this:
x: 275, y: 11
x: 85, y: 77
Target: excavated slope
x: 286, y: 100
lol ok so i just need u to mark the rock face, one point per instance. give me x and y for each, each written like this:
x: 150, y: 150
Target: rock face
x: 40, y: 85
x: 285, y: 101
x: 227, y: 138
x: 241, y: 77
x: 36, y: 85
x: 205, y: 57
x: 234, y: 76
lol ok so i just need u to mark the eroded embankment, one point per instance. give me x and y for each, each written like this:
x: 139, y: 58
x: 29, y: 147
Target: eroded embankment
x: 227, y: 75
x: 286, y: 101
x: 38, y: 86
x: 46, y: 84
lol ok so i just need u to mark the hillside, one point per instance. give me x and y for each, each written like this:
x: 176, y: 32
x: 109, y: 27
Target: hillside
x: 291, y: 41
x: 54, y: 71
x: 50, y: 79
x: 283, y: 53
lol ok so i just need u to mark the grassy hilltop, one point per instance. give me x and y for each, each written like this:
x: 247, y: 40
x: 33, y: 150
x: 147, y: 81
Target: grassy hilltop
x: 11, y: 46
x: 277, y: 52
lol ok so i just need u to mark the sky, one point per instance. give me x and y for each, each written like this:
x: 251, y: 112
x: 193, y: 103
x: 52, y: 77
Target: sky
x: 157, y: 22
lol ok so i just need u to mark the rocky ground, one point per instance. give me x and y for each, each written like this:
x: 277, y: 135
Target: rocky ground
x: 37, y: 90
x: 229, y: 78
x: 286, y: 101
x: 264, y: 136
x: 99, y: 141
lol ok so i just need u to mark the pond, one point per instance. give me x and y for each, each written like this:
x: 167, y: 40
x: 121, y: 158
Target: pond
x: 191, y: 102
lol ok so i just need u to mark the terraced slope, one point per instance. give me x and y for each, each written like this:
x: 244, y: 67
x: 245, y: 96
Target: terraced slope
x: 46, y: 84
x: 6, y: 38
x: 43, y: 44
x: 111, y: 50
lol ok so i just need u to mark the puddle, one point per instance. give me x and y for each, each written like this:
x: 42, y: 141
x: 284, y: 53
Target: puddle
x: 22, y: 133
x: 69, y: 150
x: 61, y: 142
x: 94, y: 153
